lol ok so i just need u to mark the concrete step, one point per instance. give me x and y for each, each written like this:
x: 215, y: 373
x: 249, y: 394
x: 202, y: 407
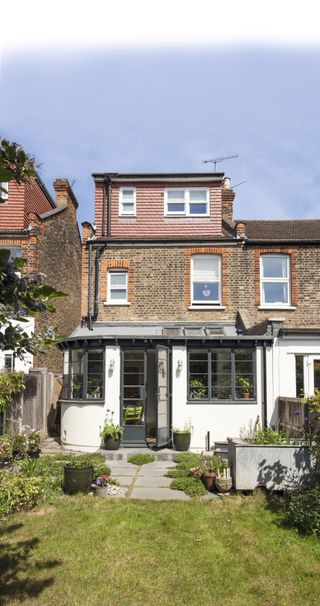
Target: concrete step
x: 123, y: 454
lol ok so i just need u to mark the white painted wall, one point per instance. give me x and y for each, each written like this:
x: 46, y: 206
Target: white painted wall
x: 222, y: 420
x: 284, y: 363
x: 81, y: 423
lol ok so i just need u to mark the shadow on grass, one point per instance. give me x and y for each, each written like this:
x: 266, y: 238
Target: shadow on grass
x: 18, y: 570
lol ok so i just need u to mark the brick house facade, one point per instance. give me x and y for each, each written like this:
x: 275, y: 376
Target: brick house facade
x: 46, y: 233
x: 170, y: 280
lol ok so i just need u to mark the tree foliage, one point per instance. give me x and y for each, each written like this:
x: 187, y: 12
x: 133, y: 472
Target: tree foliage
x: 15, y: 165
x: 21, y: 297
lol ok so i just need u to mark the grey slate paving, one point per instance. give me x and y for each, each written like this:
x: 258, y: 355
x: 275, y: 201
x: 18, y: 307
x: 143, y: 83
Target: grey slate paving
x: 147, y: 481
x: 159, y: 494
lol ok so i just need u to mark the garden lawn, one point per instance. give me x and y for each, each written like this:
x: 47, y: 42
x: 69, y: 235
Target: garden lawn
x: 85, y: 550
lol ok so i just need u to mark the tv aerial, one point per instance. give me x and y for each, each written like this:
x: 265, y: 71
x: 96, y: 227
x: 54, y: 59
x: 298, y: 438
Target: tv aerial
x: 216, y: 160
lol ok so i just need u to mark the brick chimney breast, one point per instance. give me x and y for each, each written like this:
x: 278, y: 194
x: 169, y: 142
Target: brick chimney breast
x: 65, y: 195
x: 228, y: 197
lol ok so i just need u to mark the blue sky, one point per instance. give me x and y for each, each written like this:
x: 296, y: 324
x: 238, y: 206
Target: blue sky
x: 83, y: 109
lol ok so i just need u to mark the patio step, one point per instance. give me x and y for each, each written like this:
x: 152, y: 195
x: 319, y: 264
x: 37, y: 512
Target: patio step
x: 123, y: 454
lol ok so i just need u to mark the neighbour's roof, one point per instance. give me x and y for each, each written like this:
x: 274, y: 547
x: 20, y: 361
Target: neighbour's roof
x: 204, y: 176
x: 292, y: 230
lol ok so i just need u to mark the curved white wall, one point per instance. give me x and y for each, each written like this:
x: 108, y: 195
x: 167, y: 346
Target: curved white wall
x: 81, y: 422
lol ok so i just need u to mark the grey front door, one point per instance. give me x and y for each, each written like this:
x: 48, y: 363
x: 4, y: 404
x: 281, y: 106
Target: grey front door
x: 163, y: 400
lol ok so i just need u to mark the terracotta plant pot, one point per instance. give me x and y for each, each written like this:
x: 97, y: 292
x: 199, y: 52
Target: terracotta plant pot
x: 209, y: 480
x: 112, y: 443
x: 181, y: 441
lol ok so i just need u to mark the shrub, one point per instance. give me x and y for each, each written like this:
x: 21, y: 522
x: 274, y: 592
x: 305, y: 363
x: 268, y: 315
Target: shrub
x: 304, y: 511
x: 191, y: 486
x: 18, y: 492
x: 141, y: 459
x: 19, y: 446
x: 5, y: 449
x: 11, y: 383
x: 33, y: 440
x: 114, y: 432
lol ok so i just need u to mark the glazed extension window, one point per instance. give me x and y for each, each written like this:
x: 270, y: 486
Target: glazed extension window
x: 187, y: 202
x: 275, y: 280
x: 86, y: 374
x: 221, y: 374
x: 205, y: 279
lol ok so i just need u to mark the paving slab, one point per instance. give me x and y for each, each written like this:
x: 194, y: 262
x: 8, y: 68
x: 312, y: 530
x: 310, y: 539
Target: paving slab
x: 159, y: 494
x: 123, y: 480
x: 152, y: 481
x: 123, y: 471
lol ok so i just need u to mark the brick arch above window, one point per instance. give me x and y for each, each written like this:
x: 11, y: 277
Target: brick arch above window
x: 278, y: 250
x: 116, y: 264
x: 225, y: 271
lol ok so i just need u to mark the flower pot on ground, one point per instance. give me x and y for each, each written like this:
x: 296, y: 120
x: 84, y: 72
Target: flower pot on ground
x: 223, y: 484
x: 209, y: 479
x: 181, y: 437
x: 111, y: 435
x: 77, y: 475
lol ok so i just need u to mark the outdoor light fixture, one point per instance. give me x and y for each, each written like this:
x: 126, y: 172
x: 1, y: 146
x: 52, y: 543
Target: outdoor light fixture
x: 180, y: 364
x: 112, y: 364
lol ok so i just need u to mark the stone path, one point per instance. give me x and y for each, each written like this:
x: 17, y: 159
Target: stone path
x: 148, y: 481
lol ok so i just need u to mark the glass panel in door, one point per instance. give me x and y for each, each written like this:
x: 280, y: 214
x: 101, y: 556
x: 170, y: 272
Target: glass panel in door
x: 133, y: 396
x: 163, y: 412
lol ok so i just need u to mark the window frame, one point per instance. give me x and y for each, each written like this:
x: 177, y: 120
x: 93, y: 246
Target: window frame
x: 209, y: 399
x: 195, y: 302
x: 109, y: 289
x: 85, y: 352
x: 4, y: 195
x: 186, y: 211
x: 123, y: 213
x: 274, y: 280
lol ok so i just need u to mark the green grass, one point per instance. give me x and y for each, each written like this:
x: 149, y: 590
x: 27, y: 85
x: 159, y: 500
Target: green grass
x: 82, y: 551
x: 141, y: 459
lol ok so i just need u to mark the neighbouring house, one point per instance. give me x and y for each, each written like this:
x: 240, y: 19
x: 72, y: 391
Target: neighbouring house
x: 45, y: 232
x: 187, y: 314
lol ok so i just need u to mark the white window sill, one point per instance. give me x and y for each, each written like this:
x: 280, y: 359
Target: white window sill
x: 117, y: 304
x: 128, y: 216
x: 201, y: 307
x: 277, y: 307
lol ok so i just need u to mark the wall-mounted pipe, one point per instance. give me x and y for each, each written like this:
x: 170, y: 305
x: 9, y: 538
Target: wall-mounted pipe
x: 89, y: 244
x: 265, y: 387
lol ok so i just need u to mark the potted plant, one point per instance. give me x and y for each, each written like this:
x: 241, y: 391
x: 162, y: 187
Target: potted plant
x: 245, y: 385
x: 224, y: 480
x: 209, y: 473
x: 33, y: 444
x: 182, y: 437
x: 77, y: 475
x: 197, y: 389
x: 112, y: 435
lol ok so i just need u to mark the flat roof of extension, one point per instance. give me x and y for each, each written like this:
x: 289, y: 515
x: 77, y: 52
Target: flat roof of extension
x: 159, y: 176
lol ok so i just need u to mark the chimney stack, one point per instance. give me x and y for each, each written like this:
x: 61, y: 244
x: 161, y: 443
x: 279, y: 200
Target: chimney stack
x: 228, y: 197
x: 241, y: 229
x: 65, y: 195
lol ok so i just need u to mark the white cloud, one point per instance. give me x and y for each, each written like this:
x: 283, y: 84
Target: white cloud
x: 119, y: 23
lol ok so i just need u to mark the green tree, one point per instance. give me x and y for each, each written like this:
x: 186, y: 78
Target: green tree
x: 21, y: 296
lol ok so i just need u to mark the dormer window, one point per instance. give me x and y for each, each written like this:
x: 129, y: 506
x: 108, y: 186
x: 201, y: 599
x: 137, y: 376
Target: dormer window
x: 191, y: 202
x: 127, y: 202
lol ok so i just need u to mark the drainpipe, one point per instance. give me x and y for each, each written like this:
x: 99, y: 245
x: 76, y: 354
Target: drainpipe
x: 96, y: 281
x: 104, y: 210
x: 89, y: 284
x: 109, y: 208
x: 265, y: 390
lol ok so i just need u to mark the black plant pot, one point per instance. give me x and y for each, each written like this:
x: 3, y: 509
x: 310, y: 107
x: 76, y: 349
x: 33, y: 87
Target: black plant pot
x: 112, y: 443
x: 77, y: 479
x: 181, y: 441
x: 34, y: 454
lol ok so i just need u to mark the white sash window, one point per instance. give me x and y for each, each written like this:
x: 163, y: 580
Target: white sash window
x: 205, y: 279
x: 275, y: 280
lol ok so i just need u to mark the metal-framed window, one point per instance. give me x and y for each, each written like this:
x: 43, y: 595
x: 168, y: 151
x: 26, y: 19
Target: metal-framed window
x: 226, y: 374
x: 86, y: 374
x: 9, y: 362
x: 275, y: 280
x: 205, y: 279
x: 127, y: 202
x: 192, y: 202
x: 117, y: 287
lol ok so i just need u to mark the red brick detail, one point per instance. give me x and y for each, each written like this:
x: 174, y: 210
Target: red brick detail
x: 225, y: 271
x: 107, y: 264
x: 12, y: 211
x: 277, y: 250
